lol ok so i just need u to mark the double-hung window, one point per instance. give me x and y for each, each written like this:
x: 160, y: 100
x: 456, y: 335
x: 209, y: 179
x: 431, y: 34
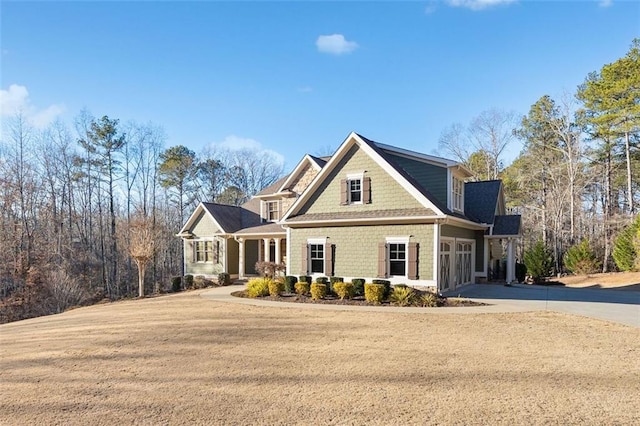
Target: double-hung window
x: 203, y: 251
x: 273, y: 212
x: 397, y: 259
x: 316, y: 255
x: 457, y: 194
x: 355, y: 191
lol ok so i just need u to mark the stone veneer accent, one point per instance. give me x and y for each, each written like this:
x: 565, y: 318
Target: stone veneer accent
x: 299, y: 184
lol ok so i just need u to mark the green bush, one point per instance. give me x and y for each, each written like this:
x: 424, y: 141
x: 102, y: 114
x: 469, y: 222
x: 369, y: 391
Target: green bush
x: 224, y: 278
x: 521, y: 272
x: 358, y: 286
x: 258, y: 287
x: 188, y: 281
x: 374, y: 293
x: 334, y: 280
x: 402, y: 296
x: 322, y: 280
x: 627, y: 247
x: 386, y: 284
x: 302, y: 287
x: 304, y: 279
x: 276, y: 287
x: 344, y: 290
x: 199, y: 281
x: 429, y: 300
x: 289, y: 283
x: 580, y: 259
x: 318, y: 291
x: 539, y: 261
x: 176, y: 284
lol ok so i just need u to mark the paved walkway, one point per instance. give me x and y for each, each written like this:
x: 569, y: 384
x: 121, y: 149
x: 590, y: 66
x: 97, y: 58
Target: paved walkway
x: 617, y: 306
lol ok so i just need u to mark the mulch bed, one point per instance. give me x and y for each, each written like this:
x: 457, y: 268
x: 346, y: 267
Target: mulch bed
x: 356, y: 301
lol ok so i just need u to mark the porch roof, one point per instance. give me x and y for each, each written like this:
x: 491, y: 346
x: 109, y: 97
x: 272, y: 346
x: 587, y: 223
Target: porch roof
x: 419, y: 212
x: 506, y: 225
x: 266, y: 228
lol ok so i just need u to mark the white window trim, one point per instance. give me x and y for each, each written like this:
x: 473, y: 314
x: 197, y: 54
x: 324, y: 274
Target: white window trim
x: 355, y: 176
x: 398, y: 240
x: 264, y: 210
x: 316, y: 241
x: 195, y: 249
x: 460, y: 208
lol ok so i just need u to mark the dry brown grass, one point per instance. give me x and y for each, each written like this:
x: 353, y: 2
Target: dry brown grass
x: 182, y: 359
x: 629, y: 281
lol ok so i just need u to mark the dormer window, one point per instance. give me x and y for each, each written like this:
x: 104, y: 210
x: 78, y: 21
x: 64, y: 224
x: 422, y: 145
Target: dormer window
x: 457, y: 194
x: 272, y: 211
x: 355, y: 189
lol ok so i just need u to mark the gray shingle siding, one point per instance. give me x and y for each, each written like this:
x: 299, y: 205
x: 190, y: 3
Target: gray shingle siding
x: 430, y: 177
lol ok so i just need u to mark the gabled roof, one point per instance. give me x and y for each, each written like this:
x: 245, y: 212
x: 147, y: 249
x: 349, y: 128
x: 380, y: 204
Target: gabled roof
x: 273, y: 188
x: 315, y: 162
x: 481, y: 200
x: 377, y: 154
x: 227, y: 218
x: 506, y: 225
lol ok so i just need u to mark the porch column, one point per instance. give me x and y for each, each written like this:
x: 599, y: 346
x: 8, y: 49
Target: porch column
x: 278, y: 258
x: 241, y: 258
x: 266, y: 249
x: 511, y: 262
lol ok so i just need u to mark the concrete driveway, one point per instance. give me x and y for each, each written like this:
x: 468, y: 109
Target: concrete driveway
x: 607, y: 304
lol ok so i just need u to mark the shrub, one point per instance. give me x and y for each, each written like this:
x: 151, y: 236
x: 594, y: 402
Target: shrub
x: 344, y: 290
x: 304, y: 279
x: 322, y: 280
x: 358, y: 286
x: 402, y: 296
x: 429, y: 300
x: 302, y: 287
x: 188, y: 281
x: 270, y: 269
x: 176, y: 284
x: 258, y: 287
x: 627, y: 246
x: 224, y: 278
x: 521, y: 272
x: 539, y: 261
x: 386, y: 284
x: 374, y: 293
x: 334, y: 280
x: 318, y: 291
x: 289, y: 283
x: 580, y: 259
x: 199, y: 281
x: 276, y: 287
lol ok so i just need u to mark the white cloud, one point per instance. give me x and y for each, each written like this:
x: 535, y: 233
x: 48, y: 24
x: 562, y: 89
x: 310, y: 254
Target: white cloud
x: 16, y: 100
x: 478, y: 4
x: 605, y: 3
x: 335, y: 44
x: 237, y: 143
x: 305, y: 89
x: 431, y: 7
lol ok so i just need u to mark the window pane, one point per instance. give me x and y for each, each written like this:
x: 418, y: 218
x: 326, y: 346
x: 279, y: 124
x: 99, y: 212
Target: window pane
x: 397, y: 267
x: 317, y: 266
x: 355, y: 193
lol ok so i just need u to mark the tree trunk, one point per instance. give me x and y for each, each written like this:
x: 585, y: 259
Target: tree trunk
x: 629, y: 188
x: 141, y: 270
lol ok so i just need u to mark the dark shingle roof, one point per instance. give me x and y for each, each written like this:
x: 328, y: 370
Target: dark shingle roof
x: 273, y: 188
x: 481, y: 199
x: 266, y: 228
x: 228, y: 217
x: 506, y: 225
x: 320, y: 161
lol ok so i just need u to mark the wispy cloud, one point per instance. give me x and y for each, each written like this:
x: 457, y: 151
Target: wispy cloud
x: 478, y: 4
x: 238, y: 143
x: 335, y: 44
x: 305, y: 89
x: 16, y: 100
x: 431, y: 7
x: 605, y: 3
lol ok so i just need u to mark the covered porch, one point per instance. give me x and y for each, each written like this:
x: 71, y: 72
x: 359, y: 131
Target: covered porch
x: 263, y: 243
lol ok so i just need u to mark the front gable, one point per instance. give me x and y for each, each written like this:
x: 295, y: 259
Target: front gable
x: 385, y: 192
x: 203, y: 225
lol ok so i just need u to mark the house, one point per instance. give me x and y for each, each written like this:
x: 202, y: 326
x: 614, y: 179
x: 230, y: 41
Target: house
x: 222, y: 238
x: 369, y: 211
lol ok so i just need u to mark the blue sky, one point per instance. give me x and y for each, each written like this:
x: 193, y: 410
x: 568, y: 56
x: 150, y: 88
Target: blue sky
x: 297, y: 77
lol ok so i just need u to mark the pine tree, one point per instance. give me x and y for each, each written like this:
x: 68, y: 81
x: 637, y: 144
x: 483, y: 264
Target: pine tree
x: 580, y: 259
x: 626, y: 248
x: 539, y: 261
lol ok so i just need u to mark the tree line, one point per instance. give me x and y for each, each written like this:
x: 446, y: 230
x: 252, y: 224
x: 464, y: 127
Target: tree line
x: 81, y: 206
x: 576, y: 181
